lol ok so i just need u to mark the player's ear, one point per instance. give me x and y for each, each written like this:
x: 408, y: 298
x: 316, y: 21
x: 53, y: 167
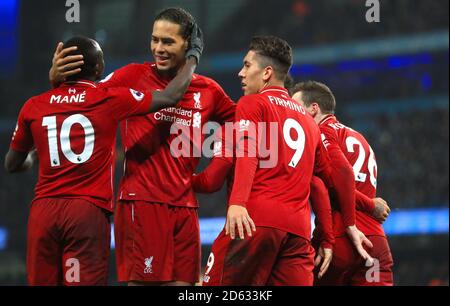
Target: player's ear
x: 186, y: 45
x: 267, y: 74
x: 315, y: 107
x: 99, y: 67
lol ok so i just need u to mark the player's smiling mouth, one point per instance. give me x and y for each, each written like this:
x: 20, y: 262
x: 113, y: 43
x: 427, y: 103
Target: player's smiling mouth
x: 162, y: 59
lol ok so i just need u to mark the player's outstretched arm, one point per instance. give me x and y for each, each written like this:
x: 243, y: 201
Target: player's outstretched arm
x: 244, y: 173
x: 364, y: 203
x: 320, y: 203
x: 341, y: 178
x: 376, y: 207
x: 213, y: 177
x: 177, y: 87
x: 16, y: 161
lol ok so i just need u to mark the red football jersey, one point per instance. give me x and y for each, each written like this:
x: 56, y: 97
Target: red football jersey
x: 277, y: 195
x: 74, y: 130
x: 362, y: 158
x: 221, y: 169
x: 159, y: 164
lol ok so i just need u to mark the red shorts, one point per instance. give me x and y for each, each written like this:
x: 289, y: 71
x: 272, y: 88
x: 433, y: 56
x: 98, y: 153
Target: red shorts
x: 157, y: 242
x: 68, y: 243
x: 348, y: 267
x: 270, y: 257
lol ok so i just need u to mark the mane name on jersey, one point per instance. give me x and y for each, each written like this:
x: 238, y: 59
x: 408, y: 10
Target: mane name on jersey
x: 287, y: 103
x: 76, y: 98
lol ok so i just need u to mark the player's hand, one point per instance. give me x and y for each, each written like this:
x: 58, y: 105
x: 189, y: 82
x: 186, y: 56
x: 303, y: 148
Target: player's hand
x: 359, y: 240
x: 195, y: 43
x: 324, y: 256
x: 381, y: 210
x: 237, y: 216
x: 64, y: 66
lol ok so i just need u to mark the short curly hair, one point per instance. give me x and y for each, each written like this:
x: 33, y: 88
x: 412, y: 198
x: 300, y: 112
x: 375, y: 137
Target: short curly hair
x: 274, y: 52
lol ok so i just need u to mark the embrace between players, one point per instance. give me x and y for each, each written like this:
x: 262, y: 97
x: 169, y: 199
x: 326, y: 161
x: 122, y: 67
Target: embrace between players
x: 266, y: 240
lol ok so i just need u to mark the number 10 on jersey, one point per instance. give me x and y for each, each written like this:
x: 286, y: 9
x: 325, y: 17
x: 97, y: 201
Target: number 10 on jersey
x: 64, y: 138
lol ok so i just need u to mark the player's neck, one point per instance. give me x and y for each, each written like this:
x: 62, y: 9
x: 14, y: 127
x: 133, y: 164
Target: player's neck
x: 171, y: 73
x: 272, y: 83
x: 167, y: 74
x: 319, y: 117
x: 91, y: 79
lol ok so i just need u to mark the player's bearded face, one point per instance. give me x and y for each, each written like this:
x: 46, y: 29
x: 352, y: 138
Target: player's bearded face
x: 168, y: 46
x: 251, y: 75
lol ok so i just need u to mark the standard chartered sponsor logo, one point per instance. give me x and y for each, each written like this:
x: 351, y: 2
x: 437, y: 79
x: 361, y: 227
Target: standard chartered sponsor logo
x: 175, y: 115
x: 178, y: 111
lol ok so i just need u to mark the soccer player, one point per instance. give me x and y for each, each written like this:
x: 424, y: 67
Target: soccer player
x: 72, y: 131
x: 156, y: 220
x: 221, y: 170
x: 269, y: 198
x: 347, y: 268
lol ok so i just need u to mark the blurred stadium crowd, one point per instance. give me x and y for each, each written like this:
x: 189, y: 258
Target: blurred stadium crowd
x: 398, y: 99
x: 322, y: 22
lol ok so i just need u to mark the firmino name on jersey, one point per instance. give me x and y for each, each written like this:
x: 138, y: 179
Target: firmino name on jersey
x: 59, y: 99
x: 286, y: 103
